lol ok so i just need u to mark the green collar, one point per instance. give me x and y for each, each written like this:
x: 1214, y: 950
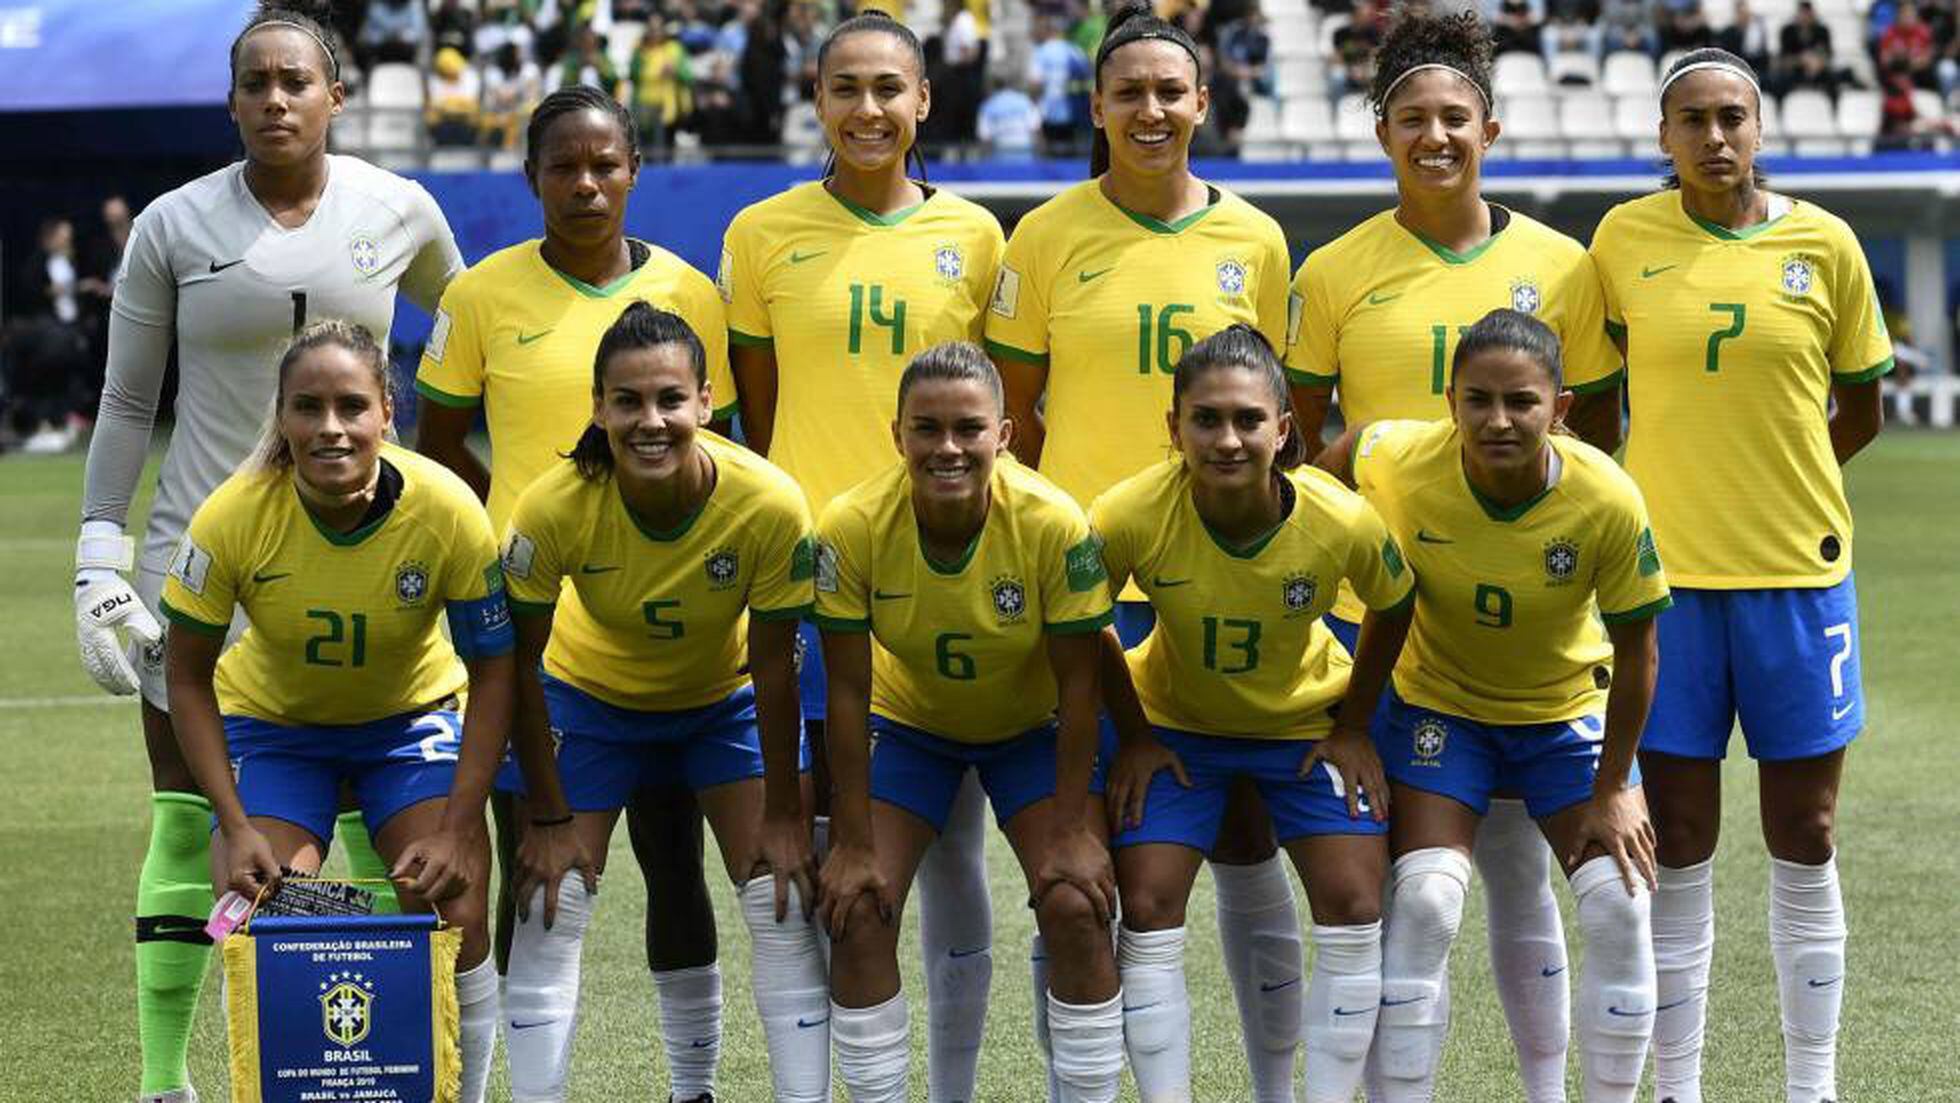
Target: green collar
x: 956, y: 566
x: 665, y: 536
x: 1724, y: 233
x: 1451, y: 256
x: 1506, y: 514
x: 1288, y: 499
x: 588, y: 290
x: 1159, y: 226
x: 873, y: 218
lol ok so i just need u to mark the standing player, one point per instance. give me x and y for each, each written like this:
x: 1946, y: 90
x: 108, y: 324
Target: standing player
x: 515, y: 335
x: 689, y: 561
x: 225, y: 269
x: 347, y: 553
x: 1378, y: 311
x: 832, y: 288
x: 1518, y: 539
x: 1240, y: 554
x: 982, y: 587
x: 1103, y: 289
x: 1754, y: 350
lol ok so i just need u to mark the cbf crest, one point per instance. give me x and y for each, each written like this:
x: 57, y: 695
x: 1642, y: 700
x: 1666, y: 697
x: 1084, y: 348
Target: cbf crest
x: 365, y: 253
x: 1231, y: 276
x: 411, y: 582
x: 1525, y: 296
x: 346, y: 1007
x: 1798, y: 275
x: 949, y: 263
x: 1427, y: 741
x: 1010, y: 599
x: 1561, y: 561
x: 722, y: 567
x: 1297, y: 592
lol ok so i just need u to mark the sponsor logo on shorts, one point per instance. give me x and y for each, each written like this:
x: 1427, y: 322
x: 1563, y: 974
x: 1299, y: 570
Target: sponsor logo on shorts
x: 1427, y: 741
x: 1297, y: 592
x: 1010, y: 599
x: 1561, y: 561
x: 723, y: 566
x: 411, y: 582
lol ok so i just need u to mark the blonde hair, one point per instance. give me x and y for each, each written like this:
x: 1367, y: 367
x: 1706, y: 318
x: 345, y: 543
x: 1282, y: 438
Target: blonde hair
x: 273, y: 452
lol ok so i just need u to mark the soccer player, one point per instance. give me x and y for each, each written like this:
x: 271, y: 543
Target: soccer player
x: 1518, y: 537
x: 1239, y: 551
x: 515, y: 336
x: 832, y: 287
x: 225, y: 269
x: 689, y: 562
x: 1754, y: 350
x: 1102, y: 290
x: 961, y: 600
x: 347, y: 553
x: 1377, y: 313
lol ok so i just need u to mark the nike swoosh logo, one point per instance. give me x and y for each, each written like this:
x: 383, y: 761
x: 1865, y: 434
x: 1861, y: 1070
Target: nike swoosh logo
x: 217, y: 268
x: 515, y: 1025
x: 798, y: 258
x: 1423, y: 537
x: 256, y: 577
x: 1264, y: 987
x: 1825, y: 983
x: 1167, y: 583
x: 1344, y: 1012
x: 1128, y: 1007
x: 1650, y: 273
x: 590, y: 569
x: 1551, y: 971
x: 1624, y: 1014
x: 805, y: 1024
x: 1839, y: 714
x: 967, y: 953
x: 527, y: 338
x: 1672, y: 1006
x: 701, y: 1043
x: 1386, y: 1002
x: 880, y: 595
x: 1085, y: 277
x: 1377, y: 298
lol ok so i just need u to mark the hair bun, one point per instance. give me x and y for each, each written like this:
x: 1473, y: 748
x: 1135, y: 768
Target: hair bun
x: 320, y: 11
x: 1123, y: 11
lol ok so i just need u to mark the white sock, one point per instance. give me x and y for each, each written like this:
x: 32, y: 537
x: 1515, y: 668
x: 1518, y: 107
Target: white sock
x: 956, y: 935
x: 1088, y: 1041
x: 1260, y: 931
x: 690, y: 1025
x: 1616, y: 982
x: 1806, y: 937
x: 541, y: 994
x: 476, y: 1000
x: 1527, y: 945
x: 1428, y: 908
x: 792, y: 992
x: 1038, y: 975
x: 1684, y: 946
x: 1342, y: 1002
x: 1156, y: 1013
x: 873, y: 1050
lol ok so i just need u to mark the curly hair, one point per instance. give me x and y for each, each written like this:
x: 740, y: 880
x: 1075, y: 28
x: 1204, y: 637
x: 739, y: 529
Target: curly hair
x: 1459, y: 40
x: 314, y: 17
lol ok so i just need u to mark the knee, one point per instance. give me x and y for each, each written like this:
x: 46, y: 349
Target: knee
x: 1346, y: 901
x: 1068, y: 920
x: 1429, y: 890
x: 867, y: 938
x: 1685, y: 837
x: 1807, y: 836
x: 1148, y: 907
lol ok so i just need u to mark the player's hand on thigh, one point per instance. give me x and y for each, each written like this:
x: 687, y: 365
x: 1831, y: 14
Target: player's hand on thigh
x: 437, y: 866
x: 1073, y: 855
x: 1351, y: 753
x: 848, y: 873
x: 784, y: 850
x: 1138, y: 758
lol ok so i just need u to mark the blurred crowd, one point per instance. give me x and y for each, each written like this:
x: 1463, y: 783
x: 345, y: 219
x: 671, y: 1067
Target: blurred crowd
x: 53, y: 342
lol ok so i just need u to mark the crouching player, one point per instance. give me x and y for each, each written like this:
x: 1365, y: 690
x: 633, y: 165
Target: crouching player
x: 961, y: 600
x: 669, y: 658
x: 1516, y: 537
x: 346, y: 553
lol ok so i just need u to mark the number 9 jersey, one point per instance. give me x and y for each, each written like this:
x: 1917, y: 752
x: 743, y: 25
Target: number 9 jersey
x: 344, y: 626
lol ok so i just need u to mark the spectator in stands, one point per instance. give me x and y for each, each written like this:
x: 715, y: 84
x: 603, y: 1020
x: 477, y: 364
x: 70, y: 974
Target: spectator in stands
x: 1626, y: 25
x: 962, y: 79
x: 762, y: 70
x: 802, y: 36
x: 455, y: 96
x: 1059, y: 68
x: 1243, y: 70
x: 1803, y: 57
x: 1568, y: 27
x: 1747, y: 37
x: 1907, y: 45
x: 504, y: 24
x: 1901, y: 126
x: 1516, y: 30
x: 586, y: 63
x: 394, y: 30
x: 453, y: 26
x: 661, y: 88
x: 1009, y: 122
x: 1686, y: 28
x: 1088, y: 28
x: 1354, y: 46
x: 512, y: 85
x: 695, y: 33
x: 48, y: 362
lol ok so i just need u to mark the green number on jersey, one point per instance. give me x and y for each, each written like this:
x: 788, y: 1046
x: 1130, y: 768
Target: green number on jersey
x: 953, y: 664
x: 1247, y: 645
x: 895, y: 321
x: 1737, y: 312
x: 336, y: 635
x: 1493, y: 606
x: 1157, y: 336
x: 663, y: 629
x: 1439, y: 356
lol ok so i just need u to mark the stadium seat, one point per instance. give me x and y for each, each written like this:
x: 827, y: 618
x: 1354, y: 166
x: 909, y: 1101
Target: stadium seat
x: 1573, y: 69
x: 1627, y: 74
x: 395, y: 84
x: 1586, y: 120
x: 1531, y: 127
x: 395, y: 97
x: 1927, y: 104
x: 1307, y: 119
x: 1859, y: 117
x: 1299, y: 76
x: 1324, y: 35
x: 1518, y: 73
x: 802, y: 134
x: 1292, y: 35
x: 1637, y: 119
x: 1810, y: 122
x: 1354, y: 124
x: 1262, y: 123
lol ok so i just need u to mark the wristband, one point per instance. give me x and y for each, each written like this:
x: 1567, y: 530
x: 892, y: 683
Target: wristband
x: 559, y: 822
x: 102, y: 546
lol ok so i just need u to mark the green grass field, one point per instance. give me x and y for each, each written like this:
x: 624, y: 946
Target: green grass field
x: 72, y: 836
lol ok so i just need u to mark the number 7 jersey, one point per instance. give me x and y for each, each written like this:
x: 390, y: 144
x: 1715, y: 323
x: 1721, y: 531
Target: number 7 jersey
x: 1734, y: 340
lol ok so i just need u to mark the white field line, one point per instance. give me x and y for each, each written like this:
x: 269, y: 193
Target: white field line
x: 11, y: 704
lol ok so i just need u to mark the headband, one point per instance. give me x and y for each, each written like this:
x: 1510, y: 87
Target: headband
x: 1179, y: 39
x: 1414, y: 69
x: 308, y: 32
x: 1725, y: 66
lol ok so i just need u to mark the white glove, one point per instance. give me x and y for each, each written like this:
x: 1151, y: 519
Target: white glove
x: 104, y: 602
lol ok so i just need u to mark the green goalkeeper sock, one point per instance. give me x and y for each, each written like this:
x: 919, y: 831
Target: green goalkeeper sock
x: 173, y: 900
x: 363, y: 863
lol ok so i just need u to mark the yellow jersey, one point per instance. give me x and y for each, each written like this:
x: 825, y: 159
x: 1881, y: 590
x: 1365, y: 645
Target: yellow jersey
x: 1734, y: 339
x: 517, y: 336
x: 1505, y: 598
x: 958, y: 647
x: 1109, y: 301
x: 1239, y: 649
x: 1378, y: 310
x: 846, y: 298
x: 345, y: 627
x: 651, y: 620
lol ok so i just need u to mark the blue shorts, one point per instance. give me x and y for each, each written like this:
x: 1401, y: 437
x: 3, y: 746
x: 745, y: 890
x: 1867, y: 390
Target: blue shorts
x: 1301, y: 806
x: 922, y: 773
x: 607, y: 753
x: 1346, y: 631
x: 1134, y: 620
x: 1784, y: 661
x: 810, y: 687
x: 1551, y: 766
x: 294, y: 773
